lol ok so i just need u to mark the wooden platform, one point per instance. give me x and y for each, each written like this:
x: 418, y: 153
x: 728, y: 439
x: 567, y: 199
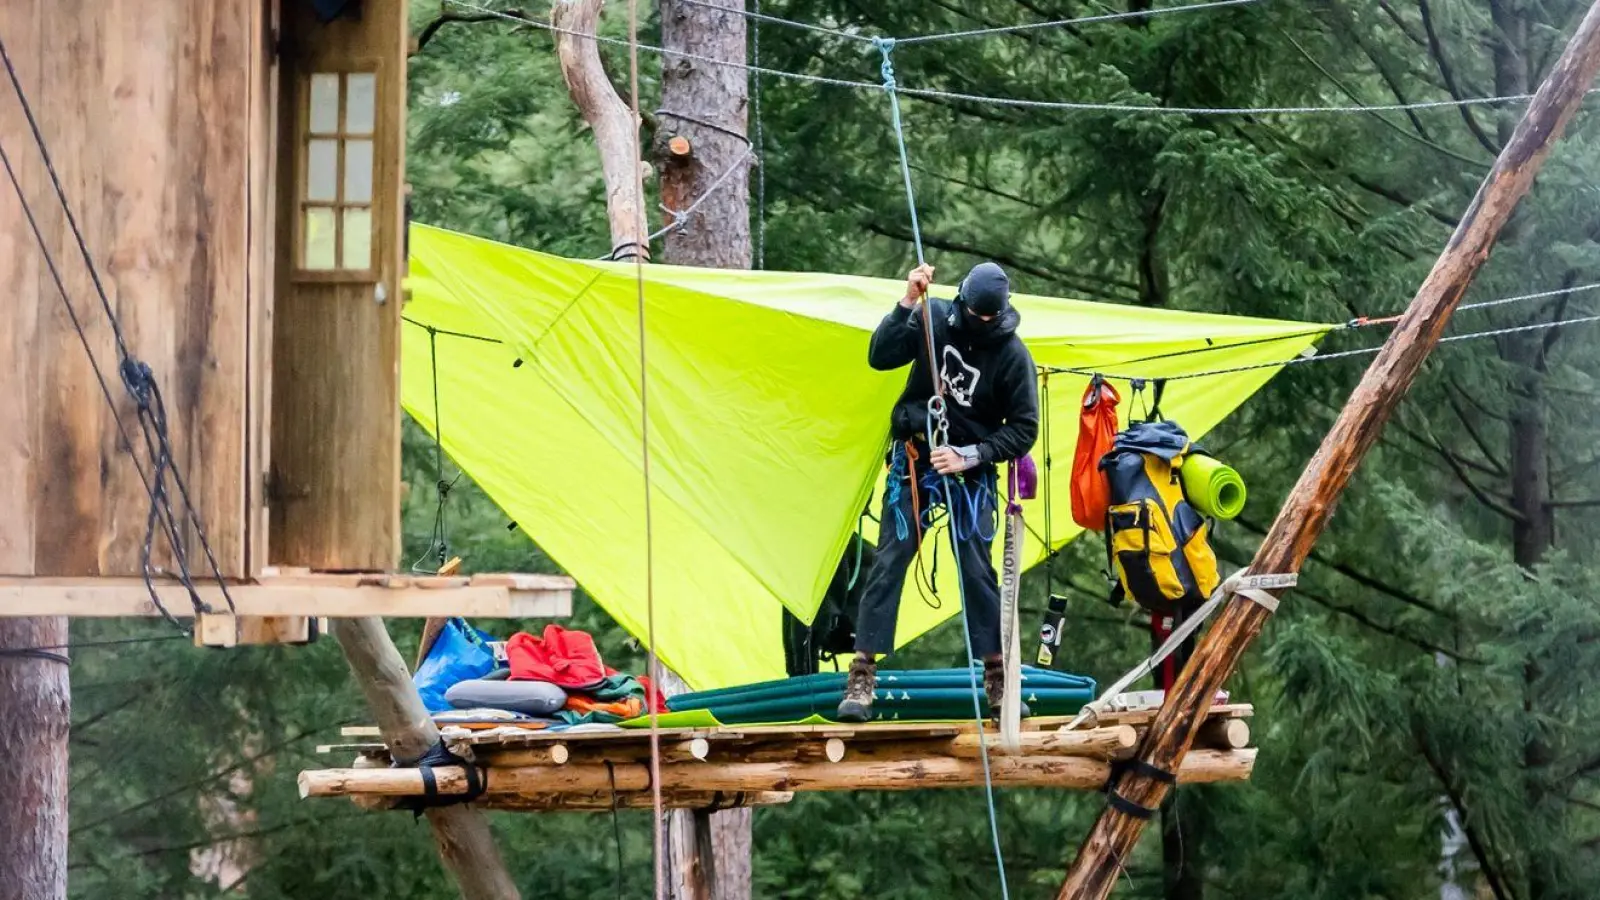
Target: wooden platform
x: 752, y: 766
x: 280, y: 605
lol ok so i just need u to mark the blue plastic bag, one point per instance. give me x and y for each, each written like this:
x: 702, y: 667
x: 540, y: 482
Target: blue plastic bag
x: 460, y: 652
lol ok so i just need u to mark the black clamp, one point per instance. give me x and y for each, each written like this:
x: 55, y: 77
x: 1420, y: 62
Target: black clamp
x: 1138, y: 767
x: 439, y: 756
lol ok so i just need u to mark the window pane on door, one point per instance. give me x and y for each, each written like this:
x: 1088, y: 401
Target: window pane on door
x: 319, y: 238
x: 324, y: 103
x: 357, y: 239
x: 358, y: 172
x: 322, y: 171
x: 360, y: 103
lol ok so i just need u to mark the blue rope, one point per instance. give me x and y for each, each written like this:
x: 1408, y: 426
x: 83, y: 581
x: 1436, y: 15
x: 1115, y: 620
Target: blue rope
x: 972, y: 673
x: 886, y: 47
x: 936, y: 407
x: 964, y: 504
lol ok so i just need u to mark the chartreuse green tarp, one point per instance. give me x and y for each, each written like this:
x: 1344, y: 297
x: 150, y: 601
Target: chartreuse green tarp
x: 767, y: 427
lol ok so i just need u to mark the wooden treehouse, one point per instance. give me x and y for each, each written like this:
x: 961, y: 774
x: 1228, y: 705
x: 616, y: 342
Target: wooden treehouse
x: 202, y: 417
x: 236, y: 169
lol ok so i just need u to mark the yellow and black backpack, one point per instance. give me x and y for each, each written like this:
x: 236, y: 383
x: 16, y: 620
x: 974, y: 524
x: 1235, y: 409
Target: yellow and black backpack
x: 1158, y: 546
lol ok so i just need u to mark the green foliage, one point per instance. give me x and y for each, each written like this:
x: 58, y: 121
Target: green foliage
x: 1434, y: 658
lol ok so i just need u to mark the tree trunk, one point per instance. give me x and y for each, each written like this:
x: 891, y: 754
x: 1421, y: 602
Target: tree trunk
x: 35, y: 718
x: 703, y: 155
x: 702, y: 149
x: 1532, y: 536
x: 616, y: 132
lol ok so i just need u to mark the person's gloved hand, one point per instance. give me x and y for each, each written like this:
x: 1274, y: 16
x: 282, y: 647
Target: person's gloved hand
x: 950, y: 460
x: 917, y: 284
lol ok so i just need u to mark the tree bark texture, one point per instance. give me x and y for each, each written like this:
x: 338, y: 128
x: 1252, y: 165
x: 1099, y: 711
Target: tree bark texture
x: 703, y: 157
x: 706, y: 106
x: 615, y: 129
x: 461, y: 832
x: 1310, y: 505
x: 35, y: 718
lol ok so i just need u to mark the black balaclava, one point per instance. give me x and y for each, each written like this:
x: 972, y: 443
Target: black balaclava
x: 986, y: 291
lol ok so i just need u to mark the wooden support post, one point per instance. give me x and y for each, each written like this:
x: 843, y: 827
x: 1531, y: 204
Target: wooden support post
x: 1311, y: 503
x: 461, y: 832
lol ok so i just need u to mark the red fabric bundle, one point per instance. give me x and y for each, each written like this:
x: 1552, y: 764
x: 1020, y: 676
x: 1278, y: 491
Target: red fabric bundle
x: 564, y: 658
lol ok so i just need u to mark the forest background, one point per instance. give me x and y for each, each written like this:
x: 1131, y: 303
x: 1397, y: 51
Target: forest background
x: 1422, y: 704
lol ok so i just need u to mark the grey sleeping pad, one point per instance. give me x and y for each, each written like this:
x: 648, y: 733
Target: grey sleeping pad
x: 535, y: 698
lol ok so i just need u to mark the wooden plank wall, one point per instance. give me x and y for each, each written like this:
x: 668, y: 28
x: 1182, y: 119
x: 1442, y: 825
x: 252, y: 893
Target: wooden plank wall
x: 335, y: 494
x: 143, y: 106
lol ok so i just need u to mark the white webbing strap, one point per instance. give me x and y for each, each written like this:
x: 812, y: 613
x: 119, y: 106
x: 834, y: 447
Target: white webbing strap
x: 1250, y: 587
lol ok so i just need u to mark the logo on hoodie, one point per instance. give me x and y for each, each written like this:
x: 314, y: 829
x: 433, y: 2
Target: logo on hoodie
x: 960, y: 379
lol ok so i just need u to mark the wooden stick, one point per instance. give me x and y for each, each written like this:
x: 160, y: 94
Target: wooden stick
x: 1201, y: 767
x: 461, y: 833
x: 1311, y: 503
x: 551, y: 754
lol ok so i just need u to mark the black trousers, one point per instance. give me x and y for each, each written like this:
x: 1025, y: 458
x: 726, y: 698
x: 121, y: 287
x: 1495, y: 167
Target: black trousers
x: 970, y: 511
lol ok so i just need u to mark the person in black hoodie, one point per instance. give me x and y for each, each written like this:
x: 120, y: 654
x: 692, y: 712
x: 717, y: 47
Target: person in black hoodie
x: 993, y: 410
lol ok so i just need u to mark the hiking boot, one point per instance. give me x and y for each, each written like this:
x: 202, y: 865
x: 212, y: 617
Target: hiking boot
x: 994, y: 688
x: 858, y: 691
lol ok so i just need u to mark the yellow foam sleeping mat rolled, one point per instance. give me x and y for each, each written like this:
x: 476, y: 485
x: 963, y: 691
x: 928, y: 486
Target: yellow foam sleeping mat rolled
x: 1215, y: 489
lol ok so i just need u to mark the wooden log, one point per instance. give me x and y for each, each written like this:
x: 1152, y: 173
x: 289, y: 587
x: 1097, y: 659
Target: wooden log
x: 849, y: 775
x: 460, y: 832
x: 1310, y: 505
x: 602, y: 800
x: 1116, y: 742
x: 1223, y: 734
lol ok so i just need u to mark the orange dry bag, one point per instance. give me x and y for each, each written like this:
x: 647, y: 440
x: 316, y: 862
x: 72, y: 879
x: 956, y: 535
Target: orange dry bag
x: 1097, y: 431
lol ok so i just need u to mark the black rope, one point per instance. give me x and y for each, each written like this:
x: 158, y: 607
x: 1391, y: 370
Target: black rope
x: 79, y: 645
x: 1049, y: 547
x: 616, y: 823
x: 37, y: 653
x: 438, y: 542
x: 136, y: 377
x: 439, y: 756
x: 448, y: 333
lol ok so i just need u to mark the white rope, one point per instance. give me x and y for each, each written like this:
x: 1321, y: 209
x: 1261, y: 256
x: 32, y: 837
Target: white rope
x: 1064, y: 105
x: 1342, y: 354
x: 1251, y: 587
x: 680, y: 218
x: 759, y: 16
x: 1063, y: 23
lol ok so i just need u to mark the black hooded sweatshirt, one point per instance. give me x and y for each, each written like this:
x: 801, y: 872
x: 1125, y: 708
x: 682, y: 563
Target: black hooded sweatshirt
x: 990, y: 393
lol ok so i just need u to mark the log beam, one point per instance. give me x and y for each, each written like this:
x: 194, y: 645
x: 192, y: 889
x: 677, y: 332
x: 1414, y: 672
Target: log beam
x: 1310, y: 505
x: 1201, y: 767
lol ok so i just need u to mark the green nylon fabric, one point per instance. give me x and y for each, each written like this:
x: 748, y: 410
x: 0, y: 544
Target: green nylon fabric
x: 767, y: 427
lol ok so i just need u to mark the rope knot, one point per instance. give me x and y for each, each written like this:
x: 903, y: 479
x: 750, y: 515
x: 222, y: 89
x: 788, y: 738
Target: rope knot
x: 139, y: 380
x: 885, y: 46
